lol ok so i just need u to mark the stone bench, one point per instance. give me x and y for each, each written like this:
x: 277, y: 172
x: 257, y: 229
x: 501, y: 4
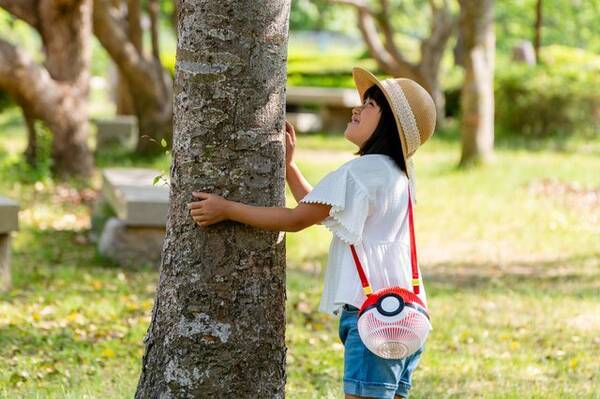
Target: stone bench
x: 9, y: 222
x: 129, y: 219
x: 335, y: 104
x: 305, y: 122
x: 120, y: 130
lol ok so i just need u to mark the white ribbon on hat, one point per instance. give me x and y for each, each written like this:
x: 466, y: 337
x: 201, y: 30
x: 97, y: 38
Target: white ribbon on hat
x: 409, y: 127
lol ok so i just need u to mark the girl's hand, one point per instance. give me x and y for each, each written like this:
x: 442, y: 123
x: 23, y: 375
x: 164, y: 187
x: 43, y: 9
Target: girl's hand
x: 290, y: 143
x: 211, y: 208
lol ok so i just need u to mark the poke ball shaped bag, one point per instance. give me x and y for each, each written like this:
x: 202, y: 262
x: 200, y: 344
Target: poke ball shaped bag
x: 393, y: 322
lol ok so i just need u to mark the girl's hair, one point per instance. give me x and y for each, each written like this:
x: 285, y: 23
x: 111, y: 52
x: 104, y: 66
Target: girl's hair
x: 385, y: 138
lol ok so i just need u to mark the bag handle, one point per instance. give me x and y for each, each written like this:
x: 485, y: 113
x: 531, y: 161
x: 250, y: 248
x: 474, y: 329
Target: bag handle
x: 413, y: 257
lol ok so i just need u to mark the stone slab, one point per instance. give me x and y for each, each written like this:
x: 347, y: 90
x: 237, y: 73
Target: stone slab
x: 131, y: 246
x: 137, y: 202
x: 9, y: 215
x: 305, y: 121
x: 118, y: 130
x: 338, y: 97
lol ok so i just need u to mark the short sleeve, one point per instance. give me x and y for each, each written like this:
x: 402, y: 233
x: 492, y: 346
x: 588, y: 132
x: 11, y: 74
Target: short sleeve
x: 349, y: 202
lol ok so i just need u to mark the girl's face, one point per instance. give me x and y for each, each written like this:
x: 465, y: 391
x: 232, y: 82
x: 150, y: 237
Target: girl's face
x: 364, y: 121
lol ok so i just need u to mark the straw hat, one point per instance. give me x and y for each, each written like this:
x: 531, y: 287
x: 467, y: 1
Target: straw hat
x: 413, y: 109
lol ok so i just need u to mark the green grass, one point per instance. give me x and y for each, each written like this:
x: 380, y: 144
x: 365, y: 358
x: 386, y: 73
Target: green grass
x: 525, y: 262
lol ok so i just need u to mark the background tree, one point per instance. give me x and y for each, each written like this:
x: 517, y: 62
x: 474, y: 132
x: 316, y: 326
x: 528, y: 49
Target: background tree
x: 132, y: 24
x: 477, y: 95
x: 57, y: 91
x: 117, y: 27
x: 391, y: 59
x: 218, y: 322
x: 537, y: 37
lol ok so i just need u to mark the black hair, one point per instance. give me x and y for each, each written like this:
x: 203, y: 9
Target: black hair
x: 385, y: 138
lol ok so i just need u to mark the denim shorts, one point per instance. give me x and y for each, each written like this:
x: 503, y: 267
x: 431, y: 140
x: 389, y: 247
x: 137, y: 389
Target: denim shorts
x: 366, y: 374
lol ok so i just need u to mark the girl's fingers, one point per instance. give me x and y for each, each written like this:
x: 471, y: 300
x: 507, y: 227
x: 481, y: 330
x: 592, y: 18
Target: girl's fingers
x: 194, y: 205
x: 200, y: 194
x: 290, y: 128
x: 199, y: 219
x: 289, y: 138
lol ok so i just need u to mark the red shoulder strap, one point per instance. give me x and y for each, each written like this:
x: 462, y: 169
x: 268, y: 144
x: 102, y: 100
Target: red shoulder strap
x: 413, y: 257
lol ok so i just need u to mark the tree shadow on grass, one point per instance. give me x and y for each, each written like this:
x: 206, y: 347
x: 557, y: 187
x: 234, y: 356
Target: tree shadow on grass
x: 55, y: 260
x: 577, y: 276
x: 513, y: 140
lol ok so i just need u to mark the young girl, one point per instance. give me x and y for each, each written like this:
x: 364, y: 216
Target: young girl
x: 364, y: 202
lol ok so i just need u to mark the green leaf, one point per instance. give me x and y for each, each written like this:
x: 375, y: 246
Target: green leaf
x: 163, y: 142
x: 156, y: 178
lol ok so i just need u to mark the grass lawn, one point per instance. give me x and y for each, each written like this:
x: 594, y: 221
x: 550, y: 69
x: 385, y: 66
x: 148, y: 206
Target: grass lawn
x: 518, y: 242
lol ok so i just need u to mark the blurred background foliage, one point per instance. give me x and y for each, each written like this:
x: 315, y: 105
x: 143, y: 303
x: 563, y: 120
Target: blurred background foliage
x: 557, y: 97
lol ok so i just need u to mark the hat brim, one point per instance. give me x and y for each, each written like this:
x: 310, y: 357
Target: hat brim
x: 363, y: 80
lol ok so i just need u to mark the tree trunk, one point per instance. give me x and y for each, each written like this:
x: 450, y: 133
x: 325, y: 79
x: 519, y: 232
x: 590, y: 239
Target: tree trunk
x: 150, y: 85
x: 537, y: 40
x: 428, y: 78
x: 31, y: 151
x: 121, y: 94
x: 477, y: 96
x: 70, y: 151
x: 66, y: 33
x: 218, y: 322
x: 135, y: 33
x: 65, y: 28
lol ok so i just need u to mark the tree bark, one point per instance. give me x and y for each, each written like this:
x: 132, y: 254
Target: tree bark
x: 65, y: 28
x: 218, y: 322
x: 477, y: 96
x: 150, y: 85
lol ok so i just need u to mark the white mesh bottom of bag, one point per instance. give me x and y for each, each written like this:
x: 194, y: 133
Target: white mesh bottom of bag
x: 393, y: 337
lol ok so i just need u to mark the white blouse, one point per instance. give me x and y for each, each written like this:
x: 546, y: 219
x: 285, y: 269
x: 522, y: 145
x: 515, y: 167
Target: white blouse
x: 368, y: 197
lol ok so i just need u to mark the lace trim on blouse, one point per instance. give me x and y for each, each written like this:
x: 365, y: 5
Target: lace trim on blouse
x: 349, y: 202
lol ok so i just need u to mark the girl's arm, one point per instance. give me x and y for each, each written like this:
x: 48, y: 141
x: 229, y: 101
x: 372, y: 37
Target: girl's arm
x: 212, y: 208
x: 278, y: 219
x: 298, y: 184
